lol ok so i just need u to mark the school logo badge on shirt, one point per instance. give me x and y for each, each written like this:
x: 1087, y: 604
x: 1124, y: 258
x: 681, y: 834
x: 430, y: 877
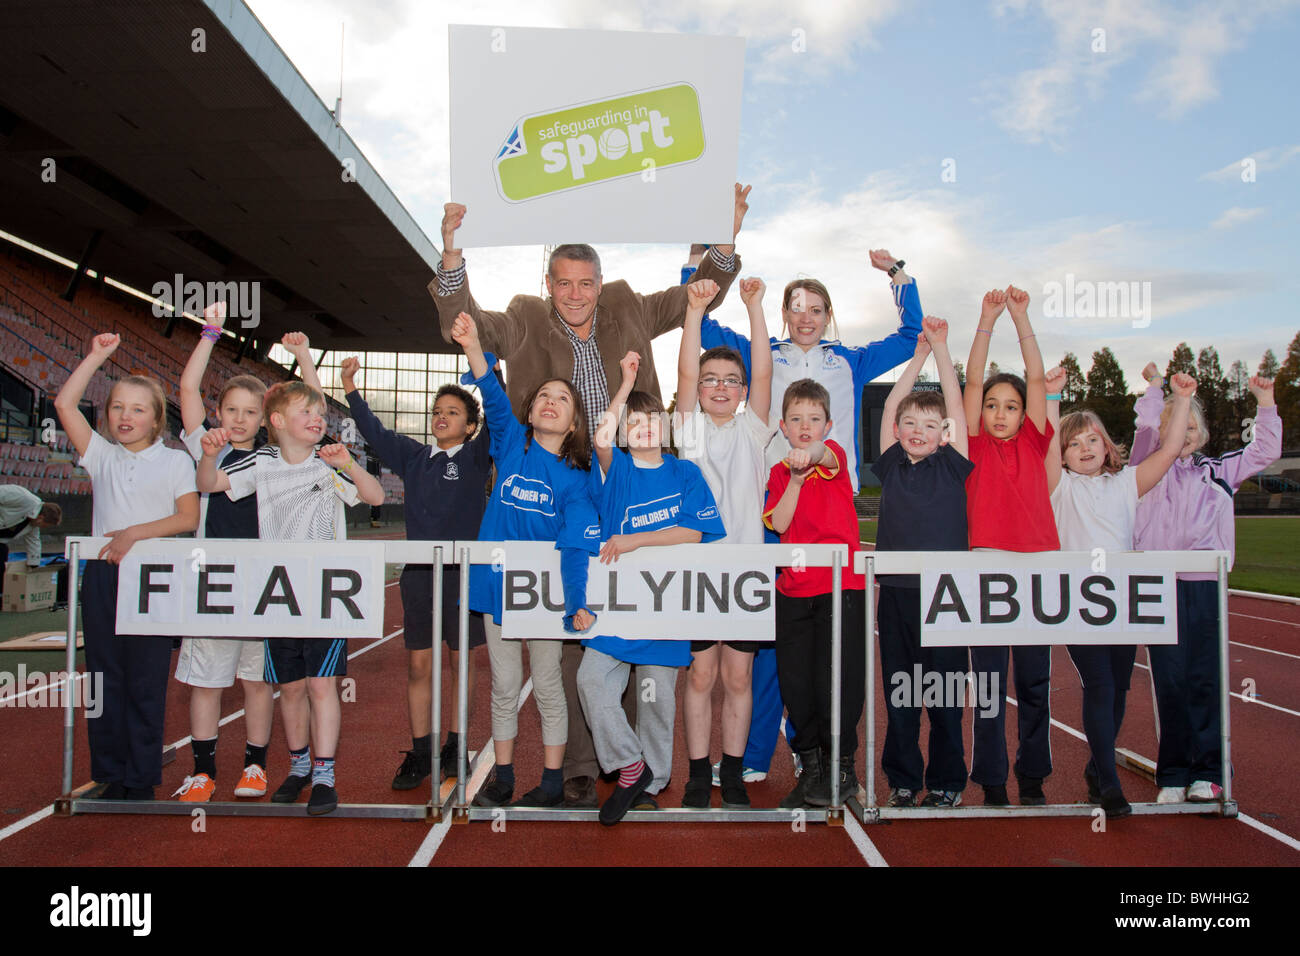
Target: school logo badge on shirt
x: 707, y: 513
x: 452, y: 473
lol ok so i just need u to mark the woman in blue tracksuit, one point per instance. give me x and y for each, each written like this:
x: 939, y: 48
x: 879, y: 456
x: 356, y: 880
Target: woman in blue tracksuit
x: 843, y: 370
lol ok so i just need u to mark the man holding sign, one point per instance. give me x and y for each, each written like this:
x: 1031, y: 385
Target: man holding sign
x: 584, y: 327
x: 580, y: 332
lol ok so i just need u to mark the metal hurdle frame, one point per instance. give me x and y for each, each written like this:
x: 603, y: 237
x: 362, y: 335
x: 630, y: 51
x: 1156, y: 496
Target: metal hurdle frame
x: 863, y: 805
x: 395, y: 552
x: 834, y: 556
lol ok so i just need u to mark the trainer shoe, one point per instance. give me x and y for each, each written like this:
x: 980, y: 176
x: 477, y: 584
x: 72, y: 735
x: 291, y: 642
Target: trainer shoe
x: 415, y: 767
x: 1203, y: 791
x: 447, y: 761
x: 1031, y: 791
x: 1114, y: 804
x: 292, y: 788
x: 1094, y: 784
x: 996, y: 796
x: 537, y: 797
x: 620, y: 802
x: 901, y: 797
x: 252, y: 783
x: 1171, y: 795
x: 493, y: 793
x: 580, y: 793
x: 324, y: 799
x: 697, y: 795
x: 196, y: 789
x: 748, y: 774
x: 942, y: 798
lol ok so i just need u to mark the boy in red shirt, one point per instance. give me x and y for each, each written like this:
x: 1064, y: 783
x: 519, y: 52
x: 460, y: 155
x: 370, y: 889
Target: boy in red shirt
x: 810, y: 501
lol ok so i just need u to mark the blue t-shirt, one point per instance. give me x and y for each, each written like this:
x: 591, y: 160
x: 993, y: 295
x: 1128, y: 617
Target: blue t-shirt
x: 632, y: 499
x: 537, y: 497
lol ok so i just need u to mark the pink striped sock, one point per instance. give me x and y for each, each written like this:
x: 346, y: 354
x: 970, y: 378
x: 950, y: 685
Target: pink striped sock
x: 631, y: 773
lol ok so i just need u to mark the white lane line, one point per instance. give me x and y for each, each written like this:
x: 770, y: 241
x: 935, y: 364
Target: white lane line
x: 47, y: 811
x: 1242, y: 697
x: 1269, y: 831
x: 1255, y: 617
x: 863, y: 842
x: 486, y: 758
x: 1244, y: 818
x: 26, y: 821
x: 81, y: 675
x: 1266, y: 650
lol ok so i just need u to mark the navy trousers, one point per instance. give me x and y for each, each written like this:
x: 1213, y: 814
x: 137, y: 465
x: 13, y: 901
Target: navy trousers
x: 1104, y: 671
x: 1186, y: 680
x: 899, y: 617
x: 1033, y: 677
x: 126, y: 739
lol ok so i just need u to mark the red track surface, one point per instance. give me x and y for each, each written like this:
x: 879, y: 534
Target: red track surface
x: 375, y: 730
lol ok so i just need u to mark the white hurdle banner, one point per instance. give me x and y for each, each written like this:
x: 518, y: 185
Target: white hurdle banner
x: 1001, y: 598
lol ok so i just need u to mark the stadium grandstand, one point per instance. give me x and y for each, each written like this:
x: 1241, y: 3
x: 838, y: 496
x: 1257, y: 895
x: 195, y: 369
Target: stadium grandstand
x: 115, y: 180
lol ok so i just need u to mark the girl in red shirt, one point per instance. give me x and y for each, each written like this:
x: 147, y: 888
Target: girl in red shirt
x: 1008, y: 509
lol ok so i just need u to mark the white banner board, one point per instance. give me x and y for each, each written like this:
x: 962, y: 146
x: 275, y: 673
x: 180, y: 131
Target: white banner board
x: 1052, y: 597
x: 593, y: 136
x: 721, y: 594
x: 245, y: 588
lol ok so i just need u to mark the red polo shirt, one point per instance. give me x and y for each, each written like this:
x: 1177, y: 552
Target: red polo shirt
x: 824, y: 515
x: 1007, y: 505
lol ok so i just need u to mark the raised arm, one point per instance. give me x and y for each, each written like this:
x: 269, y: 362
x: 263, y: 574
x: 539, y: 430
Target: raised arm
x: 1155, y: 465
x: 464, y: 332
x: 340, y: 459
x: 1052, y: 457
x: 1148, y: 408
x: 603, y: 440
x: 900, y: 390
x: 936, y: 332
x: 698, y: 296
x: 1035, y: 377
x: 193, y: 413
x: 994, y: 302
x: 299, y: 346
x: 393, y: 449
x: 760, y: 352
x: 65, y: 403
x: 501, y: 332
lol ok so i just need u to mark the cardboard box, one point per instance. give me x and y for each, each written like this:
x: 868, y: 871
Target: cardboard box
x: 29, y: 590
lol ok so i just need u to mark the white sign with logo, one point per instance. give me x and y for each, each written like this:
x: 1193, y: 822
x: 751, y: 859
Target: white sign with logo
x: 237, y: 588
x: 593, y: 136
x: 684, y: 593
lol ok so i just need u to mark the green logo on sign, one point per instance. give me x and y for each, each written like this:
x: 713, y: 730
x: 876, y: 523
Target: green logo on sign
x: 579, y: 145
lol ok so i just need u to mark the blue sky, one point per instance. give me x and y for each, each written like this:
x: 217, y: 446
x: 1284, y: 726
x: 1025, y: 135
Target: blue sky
x: 1114, y: 164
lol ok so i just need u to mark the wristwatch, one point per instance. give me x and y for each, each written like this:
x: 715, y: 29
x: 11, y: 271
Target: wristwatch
x: 896, y: 268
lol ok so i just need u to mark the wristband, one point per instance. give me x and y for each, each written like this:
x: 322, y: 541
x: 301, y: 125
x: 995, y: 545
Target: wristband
x: 211, y: 332
x: 896, y: 268
x: 1054, y: 398
x: 1029, y: 336
x: 987, y: 332
x: 347, y: 467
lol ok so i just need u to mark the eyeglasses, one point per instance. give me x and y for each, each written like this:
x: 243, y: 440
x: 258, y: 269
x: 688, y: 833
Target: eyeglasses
x: 713, y: 381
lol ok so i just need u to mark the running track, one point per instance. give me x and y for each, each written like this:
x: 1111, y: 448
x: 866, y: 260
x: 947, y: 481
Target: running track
x: 1265, y: 650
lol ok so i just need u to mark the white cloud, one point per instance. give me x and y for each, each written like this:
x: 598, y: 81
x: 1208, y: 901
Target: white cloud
x: 1262, y: 161
x: 1236, y: 216
x: 1183, y: 47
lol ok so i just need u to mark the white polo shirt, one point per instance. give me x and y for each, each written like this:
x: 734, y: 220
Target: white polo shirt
x: 731, y: 458
x: 133, y: 487
x: 1097, y: 512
